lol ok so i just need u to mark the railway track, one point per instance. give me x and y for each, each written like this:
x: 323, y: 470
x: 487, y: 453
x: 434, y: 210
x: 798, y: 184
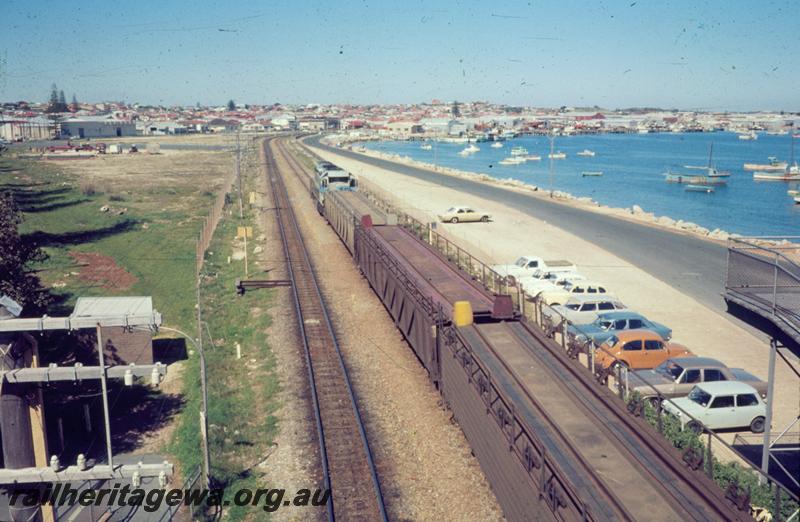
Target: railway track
x: 347, y: 465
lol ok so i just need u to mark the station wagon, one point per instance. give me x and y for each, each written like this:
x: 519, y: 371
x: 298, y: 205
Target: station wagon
x: 581, y: 309
x: 676, y: 377
x: 555, y: 296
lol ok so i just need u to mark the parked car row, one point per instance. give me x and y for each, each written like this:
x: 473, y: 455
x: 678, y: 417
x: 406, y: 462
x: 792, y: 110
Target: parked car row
x: 699, y: 391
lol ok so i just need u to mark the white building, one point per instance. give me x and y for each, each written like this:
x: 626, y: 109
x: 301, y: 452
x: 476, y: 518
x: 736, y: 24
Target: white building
x: 14, y: 129
x: 160, y: 128
x: 96, y: 127
x: 405, y: 127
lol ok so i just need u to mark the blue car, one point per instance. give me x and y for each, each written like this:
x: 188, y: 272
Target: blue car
x: 608, y: 323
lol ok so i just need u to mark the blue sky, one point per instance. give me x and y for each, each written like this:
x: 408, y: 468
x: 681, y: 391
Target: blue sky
x: 714, y: 55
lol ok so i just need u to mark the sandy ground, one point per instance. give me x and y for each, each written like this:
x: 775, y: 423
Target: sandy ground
x: 513, y: 234
x: 425, y: 465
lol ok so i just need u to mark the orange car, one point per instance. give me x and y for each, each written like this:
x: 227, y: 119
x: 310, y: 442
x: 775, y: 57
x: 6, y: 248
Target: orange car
x: 638, y: 349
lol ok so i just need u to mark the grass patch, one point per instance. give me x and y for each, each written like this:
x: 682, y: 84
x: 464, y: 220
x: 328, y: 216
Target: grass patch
x: 155, y: 208
x: 149, y: 228
x: 241, y: 392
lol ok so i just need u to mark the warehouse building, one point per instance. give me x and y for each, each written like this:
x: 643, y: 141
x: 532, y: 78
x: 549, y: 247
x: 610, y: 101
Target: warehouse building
x: 96, y: 127
x: 27, y: 129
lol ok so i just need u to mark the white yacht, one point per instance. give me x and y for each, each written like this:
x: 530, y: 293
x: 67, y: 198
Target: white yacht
x: 514, y: 160
x: 557, y: 155
x: 586, y: 152
x: 519, y: 151
x: 496, y: 145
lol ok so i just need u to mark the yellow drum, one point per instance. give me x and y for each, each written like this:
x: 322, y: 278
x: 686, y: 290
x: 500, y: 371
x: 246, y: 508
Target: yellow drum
x: 462, y: 313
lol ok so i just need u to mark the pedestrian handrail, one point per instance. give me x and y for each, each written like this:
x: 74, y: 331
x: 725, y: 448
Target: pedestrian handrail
x: 763, y: 275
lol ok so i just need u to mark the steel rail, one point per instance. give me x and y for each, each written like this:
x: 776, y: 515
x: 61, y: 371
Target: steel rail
x: 346, y: 463
x: 662, y: 453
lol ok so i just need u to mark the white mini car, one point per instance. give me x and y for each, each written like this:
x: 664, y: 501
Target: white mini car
x: 720, y: 405
x: 463, y: 215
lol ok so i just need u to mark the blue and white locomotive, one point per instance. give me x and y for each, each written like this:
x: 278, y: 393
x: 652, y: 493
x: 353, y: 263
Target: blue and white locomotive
x: 329, y: 177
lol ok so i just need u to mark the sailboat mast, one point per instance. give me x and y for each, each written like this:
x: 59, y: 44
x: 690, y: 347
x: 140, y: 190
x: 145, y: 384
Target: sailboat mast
x: 710, y: 155
x: 552, y: 141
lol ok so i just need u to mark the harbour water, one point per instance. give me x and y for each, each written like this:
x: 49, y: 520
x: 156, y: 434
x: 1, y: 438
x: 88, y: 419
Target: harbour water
x: 633, y: 166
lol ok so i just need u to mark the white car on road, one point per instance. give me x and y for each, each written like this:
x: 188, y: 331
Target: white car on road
x: 463, y: 215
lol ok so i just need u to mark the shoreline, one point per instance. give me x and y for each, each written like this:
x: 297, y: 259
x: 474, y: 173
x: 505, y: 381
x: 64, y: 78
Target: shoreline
x: 635, y: 213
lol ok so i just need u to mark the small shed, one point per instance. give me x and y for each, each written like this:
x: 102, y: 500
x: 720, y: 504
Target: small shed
x: 122, y: 345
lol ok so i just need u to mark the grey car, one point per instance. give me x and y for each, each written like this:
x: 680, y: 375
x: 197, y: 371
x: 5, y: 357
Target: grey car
x: 676, y: 377
x: 607, y: 323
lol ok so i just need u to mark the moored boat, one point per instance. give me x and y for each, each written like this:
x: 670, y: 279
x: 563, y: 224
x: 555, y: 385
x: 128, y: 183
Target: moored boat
x: 586, y: 152
x: 669, y: 177
x: 699, y: 188
x: 426, y: 146
x: 557, y: 155
x: 591, y: 173
x: 787, y: 175
x: 711, y: 169
x: 790, y: 173
x: 496, y: 145
x: 532, y: 157
x: 515, y: 160
x: 748, y: 136
x: 773, y: 166
x: 519, y: 151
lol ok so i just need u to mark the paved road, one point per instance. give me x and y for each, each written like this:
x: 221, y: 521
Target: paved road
x: 694, y: 266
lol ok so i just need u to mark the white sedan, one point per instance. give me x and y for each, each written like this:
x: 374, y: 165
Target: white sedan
x: 463, y: 215
x: 558, y: 295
